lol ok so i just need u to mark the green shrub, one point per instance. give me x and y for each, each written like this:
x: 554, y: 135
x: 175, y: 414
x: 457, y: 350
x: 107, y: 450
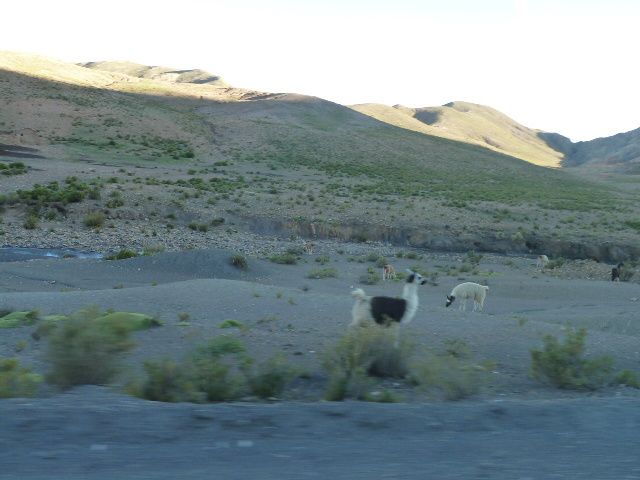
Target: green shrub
x: 94, y: 219
x: 372, y: 277
x: 318, y: 273
x: 449, y: 377
x: 381, y: 262
x: 268, y: 379
x: 31, y: 222
x: 230, y: 323
x: 84, y: 350
x: 322, y: 259
x: 166, y: 381
x: 19, y: 319
x: 17, y: 381
x: 562, y: 364
x: 628, y: 378
x: 214, y: 368
x: 473, y: 257
x: 239, y: 261
x: 284, y: 259
x: 122, y: 255
x: 359, y: 354
x: 555, y: 263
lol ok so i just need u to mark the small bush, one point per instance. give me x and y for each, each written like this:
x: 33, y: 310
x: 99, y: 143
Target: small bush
x: 122, y: 255
x: 270, y: 378
x: 166, y: 381
x: 361, y: 353
x: 555, y: 263
x: 19, y: 319
x: 239, y: 261
x: 628, y: 378
x: 213, y: 369
x: 371, y: 277
x: 83, y: 350
x: 230, y: 323
x: 381, y: 262
x: 318, y: 273
x: 94, y: 219
x: 31, y: 222
x: 450, y: 377
x: 322, y: 259
x: 562, y: 364
x: 17, y: 381
x: 473, y: 258
x: 284, y: 259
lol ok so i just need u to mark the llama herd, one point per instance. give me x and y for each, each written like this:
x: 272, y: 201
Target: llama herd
x: 390, y: 311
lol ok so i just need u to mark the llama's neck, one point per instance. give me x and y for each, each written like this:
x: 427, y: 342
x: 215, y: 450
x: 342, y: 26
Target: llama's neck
x: 410, y: 295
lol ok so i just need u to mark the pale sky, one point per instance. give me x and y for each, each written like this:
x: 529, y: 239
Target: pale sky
x: 566, y: 66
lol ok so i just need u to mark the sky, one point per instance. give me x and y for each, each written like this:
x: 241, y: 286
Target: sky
x: 566, y: 66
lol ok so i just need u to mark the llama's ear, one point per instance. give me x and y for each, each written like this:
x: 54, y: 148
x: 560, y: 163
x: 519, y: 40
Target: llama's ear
x: 410, y: 271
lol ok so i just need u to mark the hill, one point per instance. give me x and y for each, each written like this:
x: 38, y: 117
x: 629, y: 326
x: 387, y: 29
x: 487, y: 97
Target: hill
x: 619, y: 152
x: 158, y: 73
x: 470, y: 123
x: 285, y: 163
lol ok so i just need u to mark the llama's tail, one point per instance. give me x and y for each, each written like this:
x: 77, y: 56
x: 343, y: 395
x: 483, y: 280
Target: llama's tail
x: 485, y: 287
x: 359, y: 294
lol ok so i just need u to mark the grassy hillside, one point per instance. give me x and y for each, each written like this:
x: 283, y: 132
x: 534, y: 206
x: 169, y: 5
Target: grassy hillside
x: 470, y: 123
x: 222, y: 151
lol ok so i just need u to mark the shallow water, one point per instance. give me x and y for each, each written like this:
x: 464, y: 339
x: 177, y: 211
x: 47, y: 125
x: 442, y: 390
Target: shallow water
x: 17, y: 254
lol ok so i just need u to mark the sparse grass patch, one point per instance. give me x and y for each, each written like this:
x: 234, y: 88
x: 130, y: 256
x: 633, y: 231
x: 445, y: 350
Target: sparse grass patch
x: 318, y: 273
x: 239, y: 261
x: 360, y: 354
x: 372, y: 277
x: 19, y: 319
x: 448, y: 376
x: 562, y: 364
x: 17, y: 381
x: 94, y: 219
x: 230, y: 323
x: 268, y: 379
x: 122, y: 255
x: 284, y: 259
x: 83, y: 350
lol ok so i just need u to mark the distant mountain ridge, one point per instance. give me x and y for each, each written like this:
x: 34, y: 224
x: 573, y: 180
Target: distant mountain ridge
x: 164, y: 74
x: 481, y: 125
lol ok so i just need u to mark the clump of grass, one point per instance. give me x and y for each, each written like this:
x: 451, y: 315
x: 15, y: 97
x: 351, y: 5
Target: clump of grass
x: 152, y: 249
x: 166, y: 381
x: 359, y: 355
x: 384, y: 396
x: 555, y: 263
x: 319, y: 273
x: 122, y: 255
x: 94, y: 219
x: 83, y: 350
x: 214, y: 369
x: 628, y: 378
x: 322, y: 259
x: 19, y: 319
x: 563, y: 366
x: 17, y: 381
x: 31, y: 222
x: 284, y: 259
x: 473, y: 257
x: 198, y: 227
x: 448, y: 376
x: 230, y: 323
x: 372, y: 277
x: 239, y: 261
x: 268, y: 379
